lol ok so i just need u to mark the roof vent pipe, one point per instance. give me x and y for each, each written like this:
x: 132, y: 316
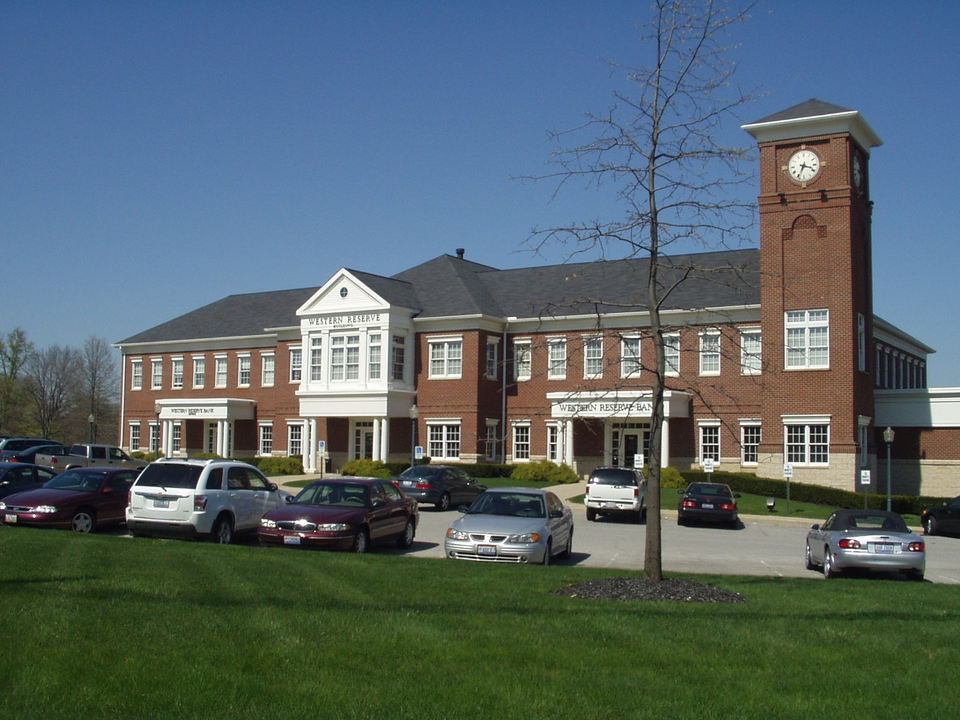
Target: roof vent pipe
x: 460, y: 253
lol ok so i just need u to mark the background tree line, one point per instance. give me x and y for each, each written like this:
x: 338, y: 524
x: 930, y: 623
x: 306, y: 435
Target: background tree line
x: 54, y: 392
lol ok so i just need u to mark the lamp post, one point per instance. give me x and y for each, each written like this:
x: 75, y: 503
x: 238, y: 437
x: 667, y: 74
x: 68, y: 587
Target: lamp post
x: 414, y: 414
x: 888, y: 439
x: 157, y: 408
x: 91, y: 420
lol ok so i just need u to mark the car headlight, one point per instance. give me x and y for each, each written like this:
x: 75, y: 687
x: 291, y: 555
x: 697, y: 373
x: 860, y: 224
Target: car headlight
x: 528, y: 538
x: 455, y: 534
x: 3, y: 506
x: 44, y: 509
x: 333, y: 527
x: 267, y: 523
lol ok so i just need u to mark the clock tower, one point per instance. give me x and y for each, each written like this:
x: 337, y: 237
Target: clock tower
x: 816, y: 290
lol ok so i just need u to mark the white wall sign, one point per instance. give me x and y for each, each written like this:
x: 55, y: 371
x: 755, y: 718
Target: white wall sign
x: 349, y: 320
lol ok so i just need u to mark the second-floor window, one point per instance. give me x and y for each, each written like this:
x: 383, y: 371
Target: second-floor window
x: 136, y: 374
x: 220, y: 372
x: 557, y: 360
x: 750, y: 351
x: 344, y: 357
x: 446, y: 358
x: 397, y: 357
x: 267, y: 370
x: 522, y: 359
x: 493, y: 355
x: 296, y: 364
x: 808, y: 339
x: 671, y: 353
x: 156, y: 374
x: 373, y: 357
x: 177, y: 381
x: 710, y: 352
x: 199, y: 372
x: 593, y: 357
x: 630, y: 356
x: 243, y: 371
x: 316, y: 358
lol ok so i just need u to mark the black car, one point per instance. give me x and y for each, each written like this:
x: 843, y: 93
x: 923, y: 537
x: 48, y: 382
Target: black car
x: 942, y: 520
x: 30, y: 454
x: 439, y: 485
x: 17, y: 477
x: 15, y: 444
x: 708, y: 502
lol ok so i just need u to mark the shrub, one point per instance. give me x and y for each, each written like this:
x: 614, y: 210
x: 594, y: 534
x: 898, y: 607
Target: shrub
x: 366, y: 468
x: 544, y: 471
x: 281, y: 465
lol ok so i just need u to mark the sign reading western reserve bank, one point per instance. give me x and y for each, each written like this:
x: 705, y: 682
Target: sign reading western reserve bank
x: 603, y: 408
x: 351, y: 320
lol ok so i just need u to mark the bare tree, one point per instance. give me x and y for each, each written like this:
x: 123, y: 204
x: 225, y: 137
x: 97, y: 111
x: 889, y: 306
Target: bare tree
x: 97, y: 391
x: 658, y: 148
x: 52, y: 378
x: 15, y: 349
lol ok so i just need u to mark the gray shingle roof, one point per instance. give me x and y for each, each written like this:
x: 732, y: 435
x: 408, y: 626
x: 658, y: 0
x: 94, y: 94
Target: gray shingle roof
x: 448, y: 286
x: 809, y: 108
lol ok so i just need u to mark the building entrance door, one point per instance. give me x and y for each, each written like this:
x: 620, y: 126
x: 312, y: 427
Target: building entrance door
x: 629, y: 439
x: 363, y: 441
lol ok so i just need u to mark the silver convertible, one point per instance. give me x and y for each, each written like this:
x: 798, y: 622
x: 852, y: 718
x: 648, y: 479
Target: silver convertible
x: 513, y: 525
x: 868, y: 539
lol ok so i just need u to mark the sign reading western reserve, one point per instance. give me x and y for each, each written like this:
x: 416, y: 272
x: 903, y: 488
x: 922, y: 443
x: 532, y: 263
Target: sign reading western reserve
x: 191, y: 411
x: 604, y: 408
x: 350, y: 320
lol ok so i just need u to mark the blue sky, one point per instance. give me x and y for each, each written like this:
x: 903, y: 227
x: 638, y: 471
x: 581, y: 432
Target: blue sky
x: 157, y: 156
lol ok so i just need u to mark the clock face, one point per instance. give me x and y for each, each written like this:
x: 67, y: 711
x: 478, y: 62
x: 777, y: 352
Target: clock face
x: 857, y: 171
x: 804, y: 165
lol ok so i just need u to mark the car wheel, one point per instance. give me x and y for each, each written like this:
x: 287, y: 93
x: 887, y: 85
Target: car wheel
x: 916, y: 575
x: 361, y: 541
x: 406, y: 540
x: 808, y: 558
x: 548, y: 553
x: 444, y: 503
x: 222, y: 531
x: 639, y: 516
x: 829, y: 571
x: 568, y: 549
x: 681, y: 520
x: 930, y: 525
x: 83, y: 521
x: 591, y: 514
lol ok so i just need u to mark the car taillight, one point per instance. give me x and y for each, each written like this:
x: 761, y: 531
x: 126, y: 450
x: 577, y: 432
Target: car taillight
x: 199, y: 502
x: 689, y: 503
x: 587, y: 491
x: 728, y: 506
x: 849, y: 543
x: 424, y: 485
x: 636, y: 492
x: 53, y: 461
x: 916, y: 547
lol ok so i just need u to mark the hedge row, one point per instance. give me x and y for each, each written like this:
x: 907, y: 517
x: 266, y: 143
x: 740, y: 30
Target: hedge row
x: 817, y: 494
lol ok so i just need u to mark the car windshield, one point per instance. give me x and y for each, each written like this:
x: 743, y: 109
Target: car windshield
x: 333, y: 493
x: 614, y: 477
x: 77, y: 481
x: 704, y: 489
x: 172, y: 475
x: 421, y: 471
x: 868, y: 521
x: 512, y: 504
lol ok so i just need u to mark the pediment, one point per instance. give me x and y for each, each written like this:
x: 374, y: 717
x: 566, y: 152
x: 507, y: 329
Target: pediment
x: 342, y: 294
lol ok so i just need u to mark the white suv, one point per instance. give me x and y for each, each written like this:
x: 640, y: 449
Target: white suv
x: 212, y: 499
x: 616, y: 490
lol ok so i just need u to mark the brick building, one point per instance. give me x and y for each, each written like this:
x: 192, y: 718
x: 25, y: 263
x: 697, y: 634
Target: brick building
x: 774, y: 354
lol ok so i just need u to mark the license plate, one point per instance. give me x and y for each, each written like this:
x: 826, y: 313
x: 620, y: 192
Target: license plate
x: 487, y: 550
x: 610, y: 505
x: 291, y: 539
x: 883, y: 548
x: 707, y: 506
x: 161, y: 503
x: 408, y: 483
x: 9, y: 518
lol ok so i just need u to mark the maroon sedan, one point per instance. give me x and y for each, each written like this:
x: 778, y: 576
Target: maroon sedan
x: 343, y: 514
x: 82, y: 499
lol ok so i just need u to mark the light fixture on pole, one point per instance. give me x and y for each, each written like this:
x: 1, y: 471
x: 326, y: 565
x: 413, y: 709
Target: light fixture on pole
x: 888, y: 439
x: 414, y: 414
x: 91, y: 420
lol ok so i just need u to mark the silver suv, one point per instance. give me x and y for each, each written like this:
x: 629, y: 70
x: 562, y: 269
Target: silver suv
x: 213, y: 499
x: 616, y: 490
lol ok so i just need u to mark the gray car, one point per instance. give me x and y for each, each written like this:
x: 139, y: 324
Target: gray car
x: 512, y: 525
x: 866, y: 539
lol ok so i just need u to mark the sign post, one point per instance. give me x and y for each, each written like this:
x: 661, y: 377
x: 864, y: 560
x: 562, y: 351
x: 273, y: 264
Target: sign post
x: 707, y: 465
x: 321, y: 455
x: 787, y: 475
x: 865, y: 481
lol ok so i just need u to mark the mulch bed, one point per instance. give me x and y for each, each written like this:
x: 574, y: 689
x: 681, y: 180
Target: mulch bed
x: 636, y: 588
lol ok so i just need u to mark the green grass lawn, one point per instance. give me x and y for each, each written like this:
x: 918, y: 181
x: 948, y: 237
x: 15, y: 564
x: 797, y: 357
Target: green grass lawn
x: 111, y: 627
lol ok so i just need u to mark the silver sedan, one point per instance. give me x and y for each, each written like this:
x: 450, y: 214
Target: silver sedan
x: 513, y: 525
x: 868, y: 539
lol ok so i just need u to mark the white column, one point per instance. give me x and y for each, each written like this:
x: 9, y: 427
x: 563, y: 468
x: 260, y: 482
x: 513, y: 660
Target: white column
x: 310, y: 428
x: 375, y: 455
x: 385, y: 439
x: 665, y: 443
x: 568, y: 442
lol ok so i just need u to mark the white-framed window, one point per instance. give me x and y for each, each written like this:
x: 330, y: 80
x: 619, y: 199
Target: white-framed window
x: 156, y: 373
x: 154, y: 437
x: 710, y: 352
x: 522, y: 359
x: 134, y: 436
x: 443, y: 440
x: 751, y: 348
x: 493, y: 358
x: 296, y: 364
x: 521, y: 442
x: 671, y: 353
x: 710, y: 441
x: 556, y: 358
x: 220, y: 371
x: 176, y: 381
x: 750, y: 437
x: 492, y: 439
x: 294, y: 439
x: 808, y: 339
x: 266, y: 439
x: 592, y: 357
x: 806, y: 440
x: 630, y: 356
x: 374, y: 356
x: 136, y: 374
x: 316, y: 358
x: 176, y: 438
x: 199, y: 371
x: 446, y: 357
x: 861, y: 343
x: 553, y: 443
x: 398, y: 351
x: 243, y: 371
x: 344, y: 358
x: 268, y: 369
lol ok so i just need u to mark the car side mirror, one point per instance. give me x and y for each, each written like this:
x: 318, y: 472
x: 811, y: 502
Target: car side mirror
x: 272, y: 486
x: 556, y: 513
x: 815, y: 527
